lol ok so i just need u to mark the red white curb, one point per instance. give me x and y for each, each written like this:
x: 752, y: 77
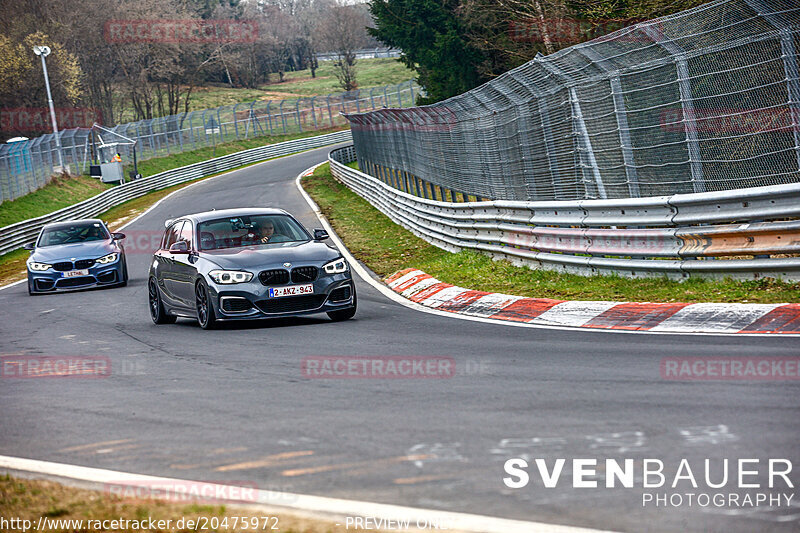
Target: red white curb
x: 428, y: 291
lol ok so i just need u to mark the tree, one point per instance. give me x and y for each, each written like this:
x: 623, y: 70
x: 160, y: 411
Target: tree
x: 22, y: 79
x: 433, y: 40
x: 344, y: 32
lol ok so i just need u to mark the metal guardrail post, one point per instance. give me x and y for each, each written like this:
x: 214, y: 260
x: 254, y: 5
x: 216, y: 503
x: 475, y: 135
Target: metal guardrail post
x: 283, y: 117
x: 297, y: 110
x: 330, y: 111
x: 314, y: 112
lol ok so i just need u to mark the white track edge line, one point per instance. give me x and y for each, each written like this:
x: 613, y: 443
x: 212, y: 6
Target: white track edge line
x: 336, y: 507
x: 389, y: 293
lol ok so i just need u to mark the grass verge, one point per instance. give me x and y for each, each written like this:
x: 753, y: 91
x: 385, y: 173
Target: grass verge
x: 62, y: 191
x: 12, y: 264
x: 386, y: 248
x: 31, y: 499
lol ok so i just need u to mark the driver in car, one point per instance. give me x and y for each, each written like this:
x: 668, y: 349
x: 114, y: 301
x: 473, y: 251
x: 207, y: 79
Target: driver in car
x: 268, y: 235
x: 267, y: 232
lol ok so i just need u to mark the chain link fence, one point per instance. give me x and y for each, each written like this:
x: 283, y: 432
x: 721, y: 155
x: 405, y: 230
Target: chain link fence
x: 28, y: 165
x: 704, y: 100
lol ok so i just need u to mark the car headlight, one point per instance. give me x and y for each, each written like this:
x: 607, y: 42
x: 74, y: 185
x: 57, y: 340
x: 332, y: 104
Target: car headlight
x: 336, y: 266
x: 110, y: 258
x: 40, y: 267
x: 229, y: 277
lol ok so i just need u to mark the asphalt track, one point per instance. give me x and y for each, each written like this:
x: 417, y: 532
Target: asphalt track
x: 233, y: 405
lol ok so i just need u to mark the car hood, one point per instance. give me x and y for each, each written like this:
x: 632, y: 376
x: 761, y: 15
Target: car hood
x: 271, y: 255
x: 78, y: 250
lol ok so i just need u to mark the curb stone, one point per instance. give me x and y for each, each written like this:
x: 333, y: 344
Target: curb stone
x: 428, y: 291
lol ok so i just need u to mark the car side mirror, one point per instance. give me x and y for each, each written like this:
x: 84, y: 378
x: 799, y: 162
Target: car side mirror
x: 30, y: 246
x: 179, y: 247
x: 117, y: 236
x: 320, y: 235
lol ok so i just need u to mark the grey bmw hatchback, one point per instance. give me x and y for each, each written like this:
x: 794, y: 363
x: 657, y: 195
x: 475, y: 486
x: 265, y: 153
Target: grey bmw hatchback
x: 242, y: 264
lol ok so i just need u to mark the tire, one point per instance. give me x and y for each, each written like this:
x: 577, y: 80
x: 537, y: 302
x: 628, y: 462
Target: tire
x: 345, y: 314
x: 204, y: 306
x: 157, y: 311
x: 124, y: 272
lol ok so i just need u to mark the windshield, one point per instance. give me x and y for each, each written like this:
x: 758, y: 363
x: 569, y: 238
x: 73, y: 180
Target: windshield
x: 250, y: 230
x: 89, y: 231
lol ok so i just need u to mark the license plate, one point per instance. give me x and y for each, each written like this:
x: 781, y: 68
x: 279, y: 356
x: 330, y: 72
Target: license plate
x: 76, y: 273
x: 294, y: 290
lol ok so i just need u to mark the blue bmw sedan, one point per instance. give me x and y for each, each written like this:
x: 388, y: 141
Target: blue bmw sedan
x: 246, y: 264
x: 76, y: 254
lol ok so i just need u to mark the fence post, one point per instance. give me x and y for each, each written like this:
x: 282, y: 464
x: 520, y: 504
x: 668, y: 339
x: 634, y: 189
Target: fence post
x: 687, y: 103
x: 579, y: 127
x: 283, y: 117
x: 626, y: 146
x: 235, y: 121
x: 790, y: 68
x: 269, y: 117
x: 314, y: 112
x: 297, y: 110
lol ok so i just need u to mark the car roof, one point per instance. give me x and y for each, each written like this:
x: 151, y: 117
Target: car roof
x: 224, y: 213
x: 68, y: 223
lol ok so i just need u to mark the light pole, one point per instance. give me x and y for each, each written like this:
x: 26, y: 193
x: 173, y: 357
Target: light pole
x: 44, y: 51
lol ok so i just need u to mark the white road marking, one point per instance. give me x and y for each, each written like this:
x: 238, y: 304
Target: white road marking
x: 723, y: 318
x: 333, y: 508
x: 573, y: 313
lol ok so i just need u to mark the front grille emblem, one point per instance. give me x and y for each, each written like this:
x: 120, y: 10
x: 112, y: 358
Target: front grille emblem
x: 287, y: 265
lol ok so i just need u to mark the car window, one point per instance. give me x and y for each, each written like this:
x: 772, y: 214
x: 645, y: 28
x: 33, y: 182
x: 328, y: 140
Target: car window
x: 186, y: 233
x: 89, y: 231
x: 249, y: 230
x: 172, y: 234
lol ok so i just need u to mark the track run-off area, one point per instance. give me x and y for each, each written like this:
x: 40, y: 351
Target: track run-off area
x: 236, y: 405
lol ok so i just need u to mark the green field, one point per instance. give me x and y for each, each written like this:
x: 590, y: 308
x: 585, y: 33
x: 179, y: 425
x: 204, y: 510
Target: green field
x: 386, y: 248
x: 370, y: 73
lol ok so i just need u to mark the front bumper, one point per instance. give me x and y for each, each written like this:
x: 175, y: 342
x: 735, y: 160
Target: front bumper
x: 54, y: 281
x: 248, y: 301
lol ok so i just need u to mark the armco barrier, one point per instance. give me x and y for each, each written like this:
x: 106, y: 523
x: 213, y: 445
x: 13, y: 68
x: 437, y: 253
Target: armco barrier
x: 16, y: 235
x: 637, y: 237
